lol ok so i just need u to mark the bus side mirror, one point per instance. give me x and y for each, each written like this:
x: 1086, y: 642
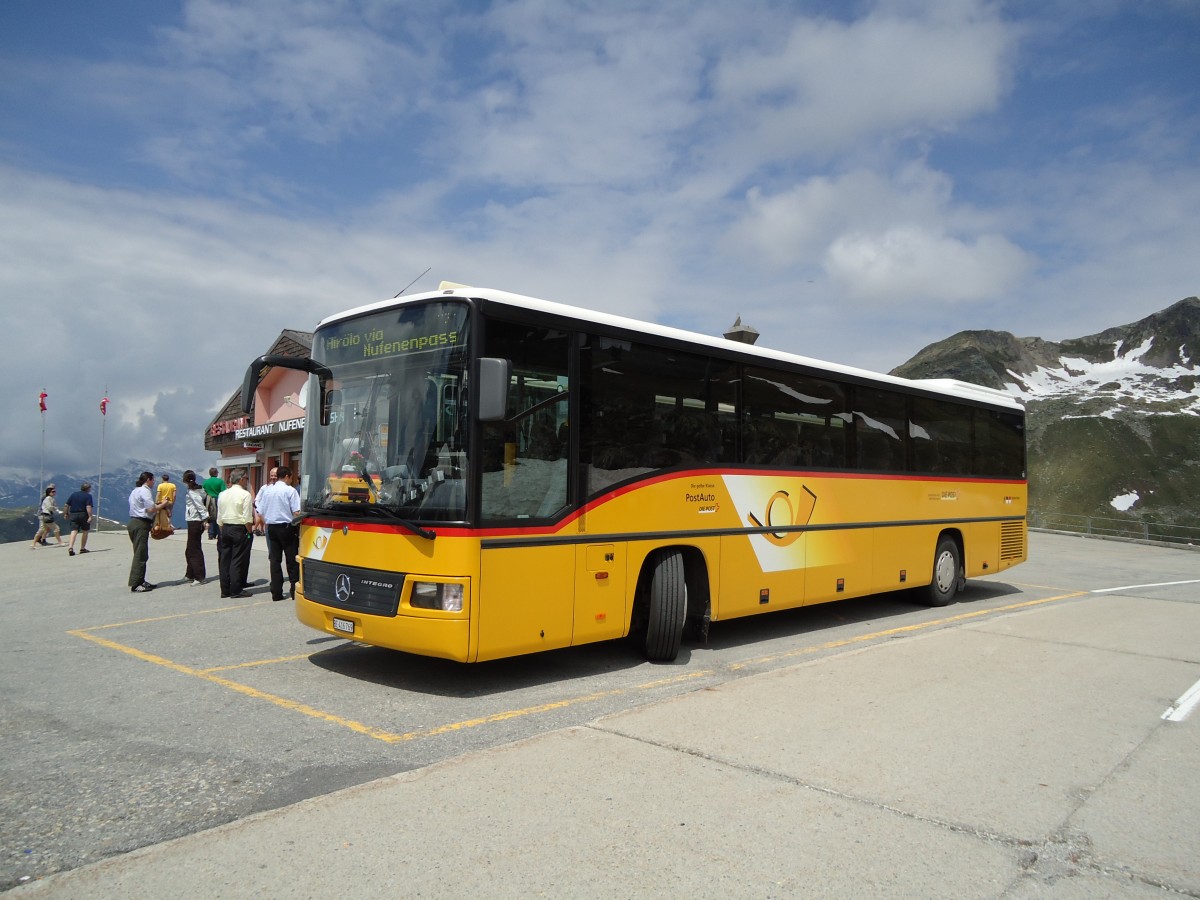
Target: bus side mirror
x: 491, y: 388
x: 259, y: 367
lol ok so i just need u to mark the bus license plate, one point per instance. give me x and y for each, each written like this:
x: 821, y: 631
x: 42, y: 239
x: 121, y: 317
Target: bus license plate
x: 343, y: 625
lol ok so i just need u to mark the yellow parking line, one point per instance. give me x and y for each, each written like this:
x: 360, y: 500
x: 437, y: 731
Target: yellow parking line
x: 283, y: 702
x: 182, y: 615
x: 257, y: 662
x: 360, y: 727
x: 1039, y: 587
x: 394, y: 738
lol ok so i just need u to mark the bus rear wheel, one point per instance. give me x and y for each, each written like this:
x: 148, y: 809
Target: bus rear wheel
x: 947, y: 569
x: 668, y: 607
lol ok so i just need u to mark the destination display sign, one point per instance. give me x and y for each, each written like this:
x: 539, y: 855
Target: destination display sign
x: 398, y: 332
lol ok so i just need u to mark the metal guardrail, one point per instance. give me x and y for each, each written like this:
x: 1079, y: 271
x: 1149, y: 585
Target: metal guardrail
x: 1116, y: 529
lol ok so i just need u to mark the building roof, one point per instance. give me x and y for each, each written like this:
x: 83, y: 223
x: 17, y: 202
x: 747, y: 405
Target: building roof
x: 293, y: 343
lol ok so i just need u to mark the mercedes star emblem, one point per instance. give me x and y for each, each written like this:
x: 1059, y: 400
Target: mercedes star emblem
x: 341, y: 588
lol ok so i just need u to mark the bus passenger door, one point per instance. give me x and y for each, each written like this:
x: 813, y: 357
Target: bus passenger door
x: 599, y: 593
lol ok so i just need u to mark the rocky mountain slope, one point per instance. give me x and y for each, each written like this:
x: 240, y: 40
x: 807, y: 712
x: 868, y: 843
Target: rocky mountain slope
x: 1113, y: 418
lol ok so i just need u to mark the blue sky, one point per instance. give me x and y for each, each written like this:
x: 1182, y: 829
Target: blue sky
x: 179, y: 181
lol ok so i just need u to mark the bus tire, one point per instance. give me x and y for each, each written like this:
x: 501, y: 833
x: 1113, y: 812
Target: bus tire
x: 947, y: 568
x: 668, y: 607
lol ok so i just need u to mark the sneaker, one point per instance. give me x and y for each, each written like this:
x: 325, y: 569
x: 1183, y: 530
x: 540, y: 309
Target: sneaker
x: 144, y: 588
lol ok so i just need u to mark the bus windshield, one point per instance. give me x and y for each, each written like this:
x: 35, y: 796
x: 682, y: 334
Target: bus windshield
x: 397, y: 416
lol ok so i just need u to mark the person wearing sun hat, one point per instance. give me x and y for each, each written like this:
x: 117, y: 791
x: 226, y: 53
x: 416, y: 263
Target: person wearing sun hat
x: 46, y: 516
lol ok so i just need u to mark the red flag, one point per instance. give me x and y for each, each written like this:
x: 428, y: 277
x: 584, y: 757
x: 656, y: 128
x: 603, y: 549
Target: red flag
x: 104, y: 407
x: 42, y: 400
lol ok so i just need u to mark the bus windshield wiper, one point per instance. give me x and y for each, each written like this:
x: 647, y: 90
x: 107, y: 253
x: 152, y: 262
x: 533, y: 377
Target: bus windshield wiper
x: 390, y: 513
x: 372, y: 510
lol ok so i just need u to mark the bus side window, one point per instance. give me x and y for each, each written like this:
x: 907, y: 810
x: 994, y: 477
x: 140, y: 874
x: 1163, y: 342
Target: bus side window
x: 646, y: 408
x: 941, y: 437
x: 881, y: 430
x: 524, y: 461
x: 999, y: 447
x: 791, y: 419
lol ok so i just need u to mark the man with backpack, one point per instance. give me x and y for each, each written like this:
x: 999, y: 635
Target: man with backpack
x: 213, y: 485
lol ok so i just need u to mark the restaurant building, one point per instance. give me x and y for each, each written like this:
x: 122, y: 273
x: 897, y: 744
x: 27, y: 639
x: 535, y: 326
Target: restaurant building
x: 270, y: 435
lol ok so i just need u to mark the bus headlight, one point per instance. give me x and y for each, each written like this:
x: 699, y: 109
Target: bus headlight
x: 436, y: 595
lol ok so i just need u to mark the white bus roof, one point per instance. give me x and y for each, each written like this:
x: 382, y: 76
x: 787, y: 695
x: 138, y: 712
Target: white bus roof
x: 947, y: 386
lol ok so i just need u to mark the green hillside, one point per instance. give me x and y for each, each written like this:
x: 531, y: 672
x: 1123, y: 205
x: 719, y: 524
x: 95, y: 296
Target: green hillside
x: 18, y: 524
x: 1078, y: 465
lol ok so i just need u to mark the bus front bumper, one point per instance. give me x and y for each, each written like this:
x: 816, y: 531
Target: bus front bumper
x: 444, y: 638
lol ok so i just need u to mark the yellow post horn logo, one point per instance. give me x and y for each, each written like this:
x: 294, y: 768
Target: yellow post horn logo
x: 778, y: 538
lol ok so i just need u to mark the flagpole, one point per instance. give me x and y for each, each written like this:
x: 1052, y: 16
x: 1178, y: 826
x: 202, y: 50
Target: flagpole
x: 100, y: 476
x: 42, y: 462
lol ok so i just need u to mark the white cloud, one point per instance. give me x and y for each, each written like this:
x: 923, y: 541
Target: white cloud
x: 576, y: 99
x: 314, y: 71
x: 799, y: 223
x: 158, y: 298
x: 1118, y: 242
x: 913, y: 264
x: 883, y: 238
x: 830, y: 83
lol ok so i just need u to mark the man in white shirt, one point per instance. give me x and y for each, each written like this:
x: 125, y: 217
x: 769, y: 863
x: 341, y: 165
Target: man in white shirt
x: 277, y: 505
x: 141, y: 516
x: 235, y: 517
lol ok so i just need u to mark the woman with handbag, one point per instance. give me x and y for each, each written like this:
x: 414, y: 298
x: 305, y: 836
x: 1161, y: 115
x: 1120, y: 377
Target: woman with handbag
x: 141, y: 516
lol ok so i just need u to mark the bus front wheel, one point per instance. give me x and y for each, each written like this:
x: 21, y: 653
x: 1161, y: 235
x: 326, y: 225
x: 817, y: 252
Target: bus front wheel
x: 668, y: 607
x: 947, y: 569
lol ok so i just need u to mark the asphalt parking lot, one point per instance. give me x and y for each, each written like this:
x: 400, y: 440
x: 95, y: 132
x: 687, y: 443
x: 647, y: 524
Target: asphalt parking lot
x: 1015, y: 725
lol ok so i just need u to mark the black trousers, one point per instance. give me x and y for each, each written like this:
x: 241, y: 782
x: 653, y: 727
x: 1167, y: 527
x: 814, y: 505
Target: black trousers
x: 139, y: 536
x: 283, y: 543
x: 193, y: 553
x: 233, y: 558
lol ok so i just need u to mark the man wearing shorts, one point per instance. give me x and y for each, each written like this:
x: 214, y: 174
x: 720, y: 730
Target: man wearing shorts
x: 79, y: 510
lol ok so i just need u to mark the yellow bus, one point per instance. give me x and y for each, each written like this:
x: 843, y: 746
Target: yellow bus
x: 486, y: 475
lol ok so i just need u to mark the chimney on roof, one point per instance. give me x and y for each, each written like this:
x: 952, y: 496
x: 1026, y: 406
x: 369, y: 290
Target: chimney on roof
x: 743, y: 334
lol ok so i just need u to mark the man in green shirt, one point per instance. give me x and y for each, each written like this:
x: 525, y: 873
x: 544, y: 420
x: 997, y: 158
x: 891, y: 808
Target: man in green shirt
x: 213, y: 485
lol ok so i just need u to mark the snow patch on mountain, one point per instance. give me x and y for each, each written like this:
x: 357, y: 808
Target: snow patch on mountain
x: 1125, y: 381
x: 1125, y: 502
